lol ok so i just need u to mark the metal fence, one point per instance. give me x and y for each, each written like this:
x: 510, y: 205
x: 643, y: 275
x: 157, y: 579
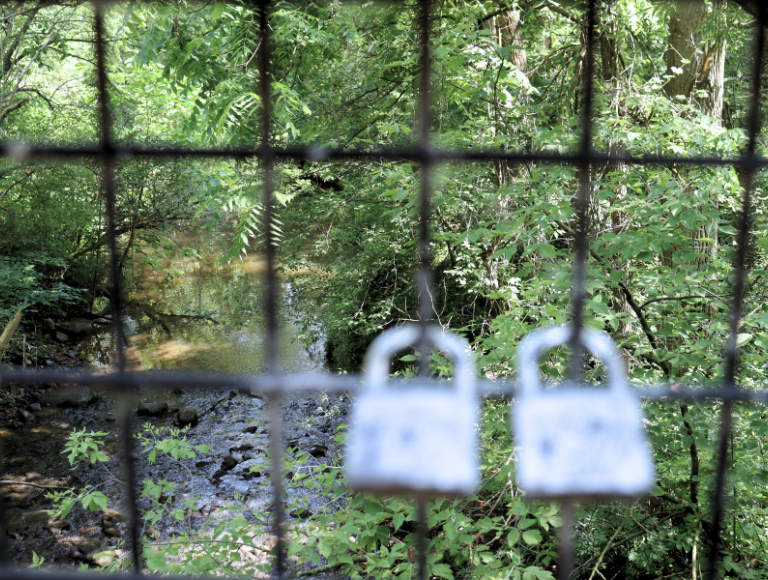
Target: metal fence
x: 275, y: 384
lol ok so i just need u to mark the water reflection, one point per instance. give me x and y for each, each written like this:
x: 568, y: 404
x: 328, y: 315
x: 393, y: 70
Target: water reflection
x: 189, y: 312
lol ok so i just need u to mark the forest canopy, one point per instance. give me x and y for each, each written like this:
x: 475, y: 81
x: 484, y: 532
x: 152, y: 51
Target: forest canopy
x: 669, y: 79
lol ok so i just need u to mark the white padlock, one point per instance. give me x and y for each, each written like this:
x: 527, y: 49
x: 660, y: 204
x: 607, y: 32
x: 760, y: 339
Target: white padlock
x: 575, y: 441
x: 417, y: 438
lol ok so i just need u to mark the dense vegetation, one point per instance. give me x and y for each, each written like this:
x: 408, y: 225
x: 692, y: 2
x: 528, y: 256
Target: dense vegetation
x: 670, y: 79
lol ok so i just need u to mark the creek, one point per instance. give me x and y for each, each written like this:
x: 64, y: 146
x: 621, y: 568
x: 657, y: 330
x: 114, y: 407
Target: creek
x: 186, y: 312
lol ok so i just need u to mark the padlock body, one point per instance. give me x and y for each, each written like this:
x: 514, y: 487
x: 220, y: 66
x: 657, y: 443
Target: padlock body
x: 413, y: 440
x: 581, y: 442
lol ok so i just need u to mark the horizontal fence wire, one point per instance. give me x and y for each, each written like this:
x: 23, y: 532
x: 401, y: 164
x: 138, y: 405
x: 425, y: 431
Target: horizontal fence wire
x: 21, y: 152
x: 275, y: 384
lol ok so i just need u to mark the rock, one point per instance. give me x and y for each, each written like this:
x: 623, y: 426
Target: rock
x: 152, y: 409
x: 78, y: 326
x: 242, y: 447
x: 300, y: 513
x: 187, y: 416
x: 72, y: 352
x: 104, y: 558
x: 88, y: 546
x: 318, y: 450
x: 59, y: 525
x: 111, y: 518
x: 228, y: 463
x: 251, y: 429
x: 35, y: 407
x: 19, y: 521
x: 72, y: 396
x: 248, y: 475
x: 112, y: 532
x: 27, y: 417
x: 201, y: 464
x: 250, y: 393
x: 61, y: 337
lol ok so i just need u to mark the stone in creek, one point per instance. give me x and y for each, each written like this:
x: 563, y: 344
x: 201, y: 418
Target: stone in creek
x: 27, y: 416
x: 72, y: 396
x: 111, y: 518
x: 61, y: 337
x: 251, y: 429
x: 300, y: 513
x: 187, y: 416
x: 59, y: 525
x: 248, y: 475
x: 152, y: 409
x: 250, y: 393
x: 318, y: 450
x: 17, y: 522
x: 229, y: 463
x: 104, y: 558
x: 35, y: 407
x: 78, y: 326
x: 243, y: 447
x: 87, y: 546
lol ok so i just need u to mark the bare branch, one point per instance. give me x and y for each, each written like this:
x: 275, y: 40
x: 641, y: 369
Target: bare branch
x: 9, y: 109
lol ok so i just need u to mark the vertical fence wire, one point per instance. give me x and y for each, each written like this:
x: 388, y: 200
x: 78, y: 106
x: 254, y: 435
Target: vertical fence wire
x: 424, y: 128
x: 3, y: 531
x: 424, y: 275
x: 107, y: 159
x: 271, y: 290
x: 581, y: 248
x: 581, y: 241
x: 739, y: 284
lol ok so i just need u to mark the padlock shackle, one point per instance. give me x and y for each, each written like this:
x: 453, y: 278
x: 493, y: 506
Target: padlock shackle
x: 539, y: 341
x: 389, y: 342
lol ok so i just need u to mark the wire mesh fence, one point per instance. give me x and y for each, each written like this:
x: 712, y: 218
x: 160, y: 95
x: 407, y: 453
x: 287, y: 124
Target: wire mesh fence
x: 275, y: 384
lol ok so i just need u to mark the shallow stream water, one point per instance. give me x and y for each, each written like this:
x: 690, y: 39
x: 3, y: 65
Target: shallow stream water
x: 187, y: 312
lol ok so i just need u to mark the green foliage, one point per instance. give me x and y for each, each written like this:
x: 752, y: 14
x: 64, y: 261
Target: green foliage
x: 345, y: 75
x: 82, y: 446
x: 27, y: 281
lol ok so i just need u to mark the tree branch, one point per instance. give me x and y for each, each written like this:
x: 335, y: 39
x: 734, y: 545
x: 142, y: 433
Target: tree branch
x: 640, y: 316
x: 48, y: 101
x: 328, y: 568
x: 10, y: 108
x: 694, y: 482
x: 562, y: 12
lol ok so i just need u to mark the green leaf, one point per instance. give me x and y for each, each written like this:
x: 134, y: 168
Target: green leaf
x: 513, y: 537
x: 532, y: 537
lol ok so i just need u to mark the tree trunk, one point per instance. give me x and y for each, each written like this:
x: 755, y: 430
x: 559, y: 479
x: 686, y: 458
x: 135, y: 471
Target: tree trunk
x: 613, y: 217
x: 507, y: 30
x: 696, y: 64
